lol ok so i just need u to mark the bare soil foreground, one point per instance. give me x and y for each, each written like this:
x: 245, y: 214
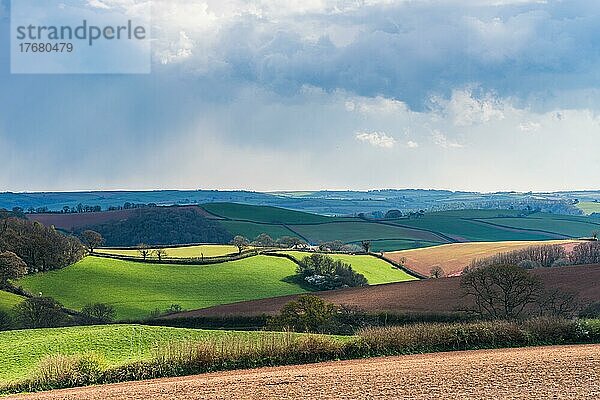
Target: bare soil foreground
x: 426, y: 296
x: 561, y: 372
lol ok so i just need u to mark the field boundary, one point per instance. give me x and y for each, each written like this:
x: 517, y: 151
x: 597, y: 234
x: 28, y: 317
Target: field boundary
x: 521, y: 229
x: 181, y: 261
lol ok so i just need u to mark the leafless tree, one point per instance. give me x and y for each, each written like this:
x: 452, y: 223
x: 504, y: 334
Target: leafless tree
x: 501, y: 291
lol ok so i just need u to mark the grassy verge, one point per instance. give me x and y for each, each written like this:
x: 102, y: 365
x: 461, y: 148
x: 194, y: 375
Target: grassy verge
x: 176, y: 358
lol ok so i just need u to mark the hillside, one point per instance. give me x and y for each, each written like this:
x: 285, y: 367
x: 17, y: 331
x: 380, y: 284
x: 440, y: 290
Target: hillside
x: 408, y: 232
x: 137, y: 289
x: 377, y: 271
x: 20, y: 351
x: 453, y: 258
x: 8, y: 301
x: 320, y: 202
x: 426, y: 296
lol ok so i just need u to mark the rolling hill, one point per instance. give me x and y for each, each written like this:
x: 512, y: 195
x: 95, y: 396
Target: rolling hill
x: 136, y: 289
x: 453, y: 258
x: 385, y: 234
x: 8, y: 301
x: 20, y: 351
x: 438, y: 296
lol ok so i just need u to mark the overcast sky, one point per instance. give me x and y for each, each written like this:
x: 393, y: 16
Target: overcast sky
x: 478, y: 95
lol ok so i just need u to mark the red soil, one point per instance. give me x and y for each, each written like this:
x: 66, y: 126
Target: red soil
x: 426, y: 296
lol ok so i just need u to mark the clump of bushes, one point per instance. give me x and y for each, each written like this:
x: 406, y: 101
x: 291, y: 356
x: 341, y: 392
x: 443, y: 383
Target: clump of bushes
x: 5, y: 321
x: 324, y: 273
x: 184, y: 358
x: 61, y: 371
x: 474, y: 335
x: 98, y: 313
x: 314, y: 315
x: 545, y: 256
x: 39, y: 312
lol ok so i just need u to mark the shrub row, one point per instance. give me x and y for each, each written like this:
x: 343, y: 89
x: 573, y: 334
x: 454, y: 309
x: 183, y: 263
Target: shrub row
x: 177, y: 359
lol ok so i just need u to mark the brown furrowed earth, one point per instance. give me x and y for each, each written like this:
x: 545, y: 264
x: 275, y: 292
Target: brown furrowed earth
x: 560, y: 372
x: 426, y: 296
x: 453, y: 258
x: 79, y: 220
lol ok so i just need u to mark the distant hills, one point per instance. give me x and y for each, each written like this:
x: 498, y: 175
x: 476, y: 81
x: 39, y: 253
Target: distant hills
x: 374, y: 203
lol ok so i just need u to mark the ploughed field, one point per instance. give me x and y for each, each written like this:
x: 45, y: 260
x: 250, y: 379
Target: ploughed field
x: 453, y: 258
x: 560, y: 372
x: 426, y: 296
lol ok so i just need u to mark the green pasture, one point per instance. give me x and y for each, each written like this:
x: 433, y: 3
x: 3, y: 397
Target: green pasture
x: 376, y: 271
x: 135, y: 289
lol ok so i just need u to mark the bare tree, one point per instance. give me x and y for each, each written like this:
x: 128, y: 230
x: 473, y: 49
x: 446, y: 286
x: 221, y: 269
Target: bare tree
x: 557, y: 303
x: 240, y: 242
x: 501, y: 291
x: 143, y: 250
x: 11, y: 267
x: 436, y: 272
x: 92, y: 239
x: 160, y: 254
x: 366, y: 245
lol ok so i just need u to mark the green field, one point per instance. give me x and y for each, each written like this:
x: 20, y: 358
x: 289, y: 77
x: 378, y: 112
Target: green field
x: 8, y: 301
x: 20, y: 351
x: 589, y: 207
x: 403, y: 233
x: 208, y: 250
x: 387, y: 244
x: 355, y: 231
x: 376, y: 271
x: 136, y: 289
x: 265, y: 214
x: 252, y: 229
x: 471, y: 230
x: 563, y: 225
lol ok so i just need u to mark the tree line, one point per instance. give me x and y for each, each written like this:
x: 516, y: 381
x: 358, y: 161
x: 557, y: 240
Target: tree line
x: 29, y: 247
x: 545, y: 256
x: 161, y: 226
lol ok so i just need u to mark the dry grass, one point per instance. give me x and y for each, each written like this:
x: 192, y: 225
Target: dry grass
x: 453, y: 258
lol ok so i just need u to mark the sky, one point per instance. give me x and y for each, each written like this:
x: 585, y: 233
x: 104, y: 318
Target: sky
x: 482, y: 95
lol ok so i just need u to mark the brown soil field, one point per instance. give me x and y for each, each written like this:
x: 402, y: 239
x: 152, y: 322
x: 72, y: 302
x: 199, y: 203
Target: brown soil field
x: 562, y: 372
x: 79, y: 220
x: 426, y: 296
x: 453, y: 258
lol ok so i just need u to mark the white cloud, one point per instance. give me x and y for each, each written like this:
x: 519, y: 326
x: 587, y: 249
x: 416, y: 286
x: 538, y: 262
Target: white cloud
x: 442, y: 140
x: 380, y: 105
x: 529, y: 127
x: 376, y: 139
x: 98, y: 4
x: 412, y: 145
x: 467, y: 109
